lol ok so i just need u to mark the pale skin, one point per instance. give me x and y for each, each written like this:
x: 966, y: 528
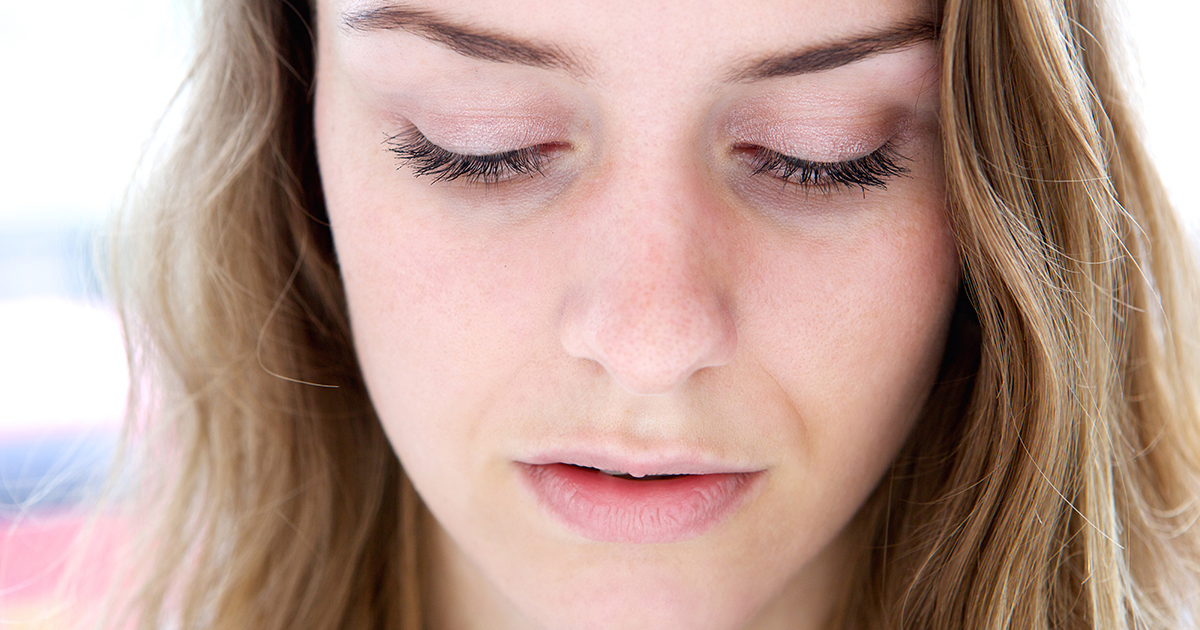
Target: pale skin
x: 644, y: 291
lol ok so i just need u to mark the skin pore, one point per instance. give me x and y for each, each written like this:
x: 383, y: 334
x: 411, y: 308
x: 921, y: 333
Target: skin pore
x: 697, y: 236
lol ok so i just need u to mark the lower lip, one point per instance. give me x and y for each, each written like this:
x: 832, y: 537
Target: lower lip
x: 612, y: 509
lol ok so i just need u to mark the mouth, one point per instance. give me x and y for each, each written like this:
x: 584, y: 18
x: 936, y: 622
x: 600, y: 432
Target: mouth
x: 612, y: 505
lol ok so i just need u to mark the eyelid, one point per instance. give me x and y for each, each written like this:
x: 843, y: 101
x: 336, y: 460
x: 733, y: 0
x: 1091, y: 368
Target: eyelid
x: 412, y: 148
x: 835, y: 134
x: 873, y: 170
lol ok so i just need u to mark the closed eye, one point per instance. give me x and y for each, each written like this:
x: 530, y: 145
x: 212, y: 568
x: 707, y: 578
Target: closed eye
x: 425, y: 158
x: 874, y: 170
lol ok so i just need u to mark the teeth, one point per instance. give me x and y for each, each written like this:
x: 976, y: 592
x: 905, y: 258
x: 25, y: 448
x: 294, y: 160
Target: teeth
x: 617, y: 473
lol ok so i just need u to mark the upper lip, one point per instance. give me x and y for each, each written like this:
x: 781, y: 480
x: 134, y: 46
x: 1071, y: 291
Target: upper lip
x: 639, y: 465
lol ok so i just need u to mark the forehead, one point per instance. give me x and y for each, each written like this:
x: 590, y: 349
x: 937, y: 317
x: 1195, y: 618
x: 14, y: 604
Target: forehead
x: 633, y: 36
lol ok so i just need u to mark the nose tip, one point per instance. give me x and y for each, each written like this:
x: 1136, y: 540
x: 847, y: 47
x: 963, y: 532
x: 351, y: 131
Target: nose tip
x: 650, y: 337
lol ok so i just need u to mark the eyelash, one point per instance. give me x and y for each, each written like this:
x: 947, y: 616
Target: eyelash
x: 870, y: 171
x: 413, y: 149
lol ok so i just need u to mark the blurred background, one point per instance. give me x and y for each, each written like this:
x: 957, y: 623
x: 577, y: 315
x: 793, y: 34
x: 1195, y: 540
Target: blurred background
x: 84, y: 85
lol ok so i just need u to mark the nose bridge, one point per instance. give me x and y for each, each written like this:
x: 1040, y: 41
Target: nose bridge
x: 652, y: 307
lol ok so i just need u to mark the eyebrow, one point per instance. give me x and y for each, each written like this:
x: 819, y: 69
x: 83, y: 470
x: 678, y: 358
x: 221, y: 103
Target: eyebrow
x: 488, y: 46
x: 839, y: 53
x: 477, y: 44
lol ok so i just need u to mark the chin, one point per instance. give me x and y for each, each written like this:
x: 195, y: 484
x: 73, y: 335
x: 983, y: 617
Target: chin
x: 659, y: 604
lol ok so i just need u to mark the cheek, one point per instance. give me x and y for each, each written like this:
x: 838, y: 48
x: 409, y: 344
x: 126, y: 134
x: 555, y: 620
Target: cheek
x: 443, y: 318
x: 854, y: 328
x: 435, y: 316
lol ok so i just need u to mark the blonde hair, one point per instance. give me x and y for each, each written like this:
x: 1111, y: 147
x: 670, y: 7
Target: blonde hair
x: 1050, y: 484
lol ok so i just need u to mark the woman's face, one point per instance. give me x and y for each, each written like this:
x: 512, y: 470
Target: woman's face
x: 702, y: 243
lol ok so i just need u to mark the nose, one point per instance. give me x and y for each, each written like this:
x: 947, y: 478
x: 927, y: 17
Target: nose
x: 650, y: 304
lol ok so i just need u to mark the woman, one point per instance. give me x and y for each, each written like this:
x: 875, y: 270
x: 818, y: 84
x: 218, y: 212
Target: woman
x: 866, y: 314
